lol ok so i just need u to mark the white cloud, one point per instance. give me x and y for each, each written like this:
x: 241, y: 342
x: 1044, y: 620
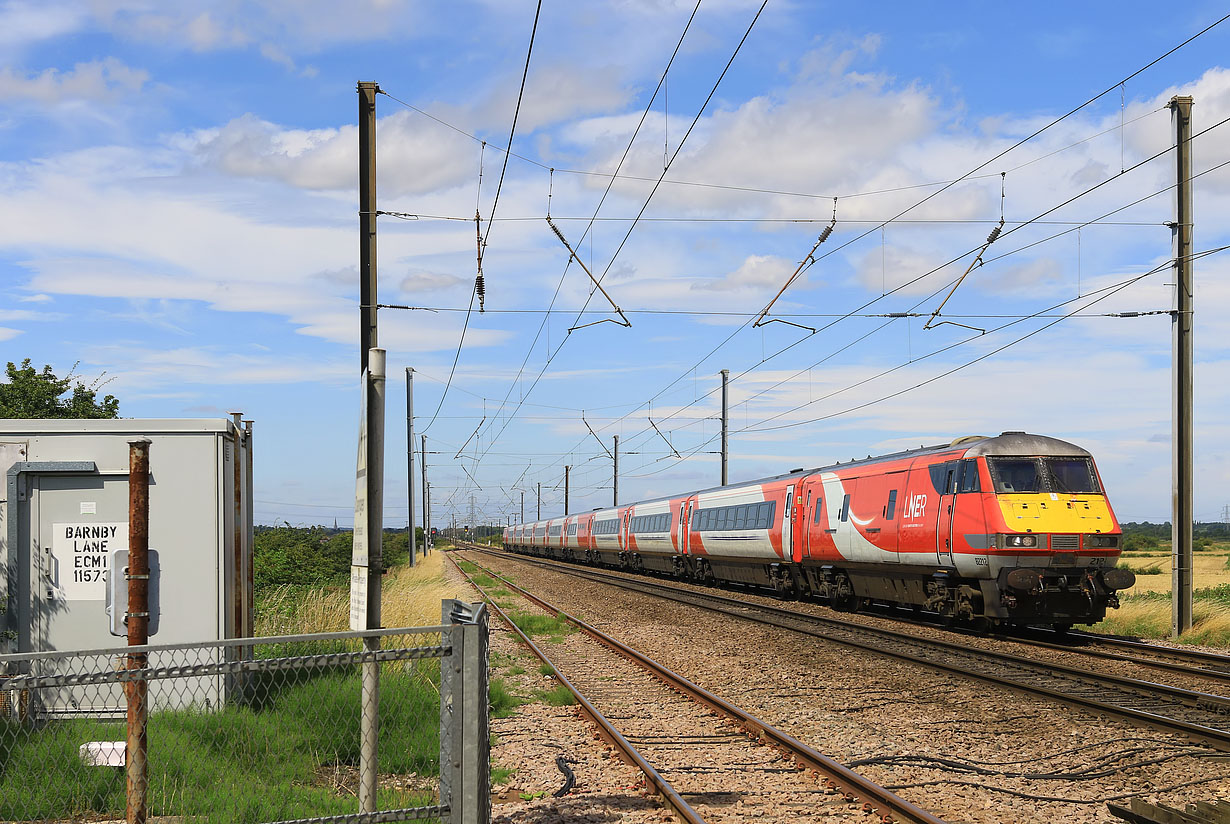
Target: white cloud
x: 412, y: 159
x: 758, y: 272
x: 429, y: 282
x: 100, y: 80
x: 8, y: 334
x: 23, y: 24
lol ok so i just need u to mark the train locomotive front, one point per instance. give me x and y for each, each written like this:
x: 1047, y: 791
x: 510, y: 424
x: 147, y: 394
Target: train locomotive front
x: 1010, y: 529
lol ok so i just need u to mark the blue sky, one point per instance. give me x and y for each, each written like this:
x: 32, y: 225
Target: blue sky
x: 178, y: 211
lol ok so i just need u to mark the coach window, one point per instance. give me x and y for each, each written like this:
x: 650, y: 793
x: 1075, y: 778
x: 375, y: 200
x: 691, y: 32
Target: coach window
x: 845, y: 507
x: 819, y: 510
x: 891, y: 509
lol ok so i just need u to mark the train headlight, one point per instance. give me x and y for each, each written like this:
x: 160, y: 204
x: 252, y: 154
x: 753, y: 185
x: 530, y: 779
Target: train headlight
x: 1020, y: 540
x: 1101, y: 541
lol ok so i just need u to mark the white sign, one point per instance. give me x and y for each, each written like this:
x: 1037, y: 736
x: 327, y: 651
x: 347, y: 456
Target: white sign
x: 82, y: 553
x: 358, y: 598
x: 358, y: 554
x: 89, y: 508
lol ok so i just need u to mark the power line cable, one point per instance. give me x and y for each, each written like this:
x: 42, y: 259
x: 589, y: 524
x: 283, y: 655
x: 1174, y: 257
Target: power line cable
x: 478, y: 281
x: 648, y: 199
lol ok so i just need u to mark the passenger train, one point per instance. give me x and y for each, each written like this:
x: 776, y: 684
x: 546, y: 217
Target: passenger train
x: 1013, y: 529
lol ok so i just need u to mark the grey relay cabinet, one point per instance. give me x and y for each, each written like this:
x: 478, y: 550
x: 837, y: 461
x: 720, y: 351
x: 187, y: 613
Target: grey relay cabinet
x: 64, y: 514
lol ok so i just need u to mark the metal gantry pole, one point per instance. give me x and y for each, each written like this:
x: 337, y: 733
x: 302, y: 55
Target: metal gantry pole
x: 725, y: 421
x: 137, y: 617
x: 567, y: 470
x: 374, y: 424
x: 370, y: 696
x: 540, y: 500
x: 615, y: 474
x: 426, y: 499
x: 1181, y: 326
x: 523, y: 506
x: 367, y: 220
x: 410, y: 457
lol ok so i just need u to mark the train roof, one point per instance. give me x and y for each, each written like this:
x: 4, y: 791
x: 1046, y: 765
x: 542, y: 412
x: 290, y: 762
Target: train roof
x: 1007, y: 444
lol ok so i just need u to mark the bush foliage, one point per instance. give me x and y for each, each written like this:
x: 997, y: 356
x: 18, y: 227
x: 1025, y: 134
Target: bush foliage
x: 314, y: 556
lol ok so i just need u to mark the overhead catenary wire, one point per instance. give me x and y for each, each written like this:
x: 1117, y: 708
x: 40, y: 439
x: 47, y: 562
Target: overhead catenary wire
x: 940, y: 267
x: 649, y: 198
x: 559, y: 285
x: 479, y: 286
x: 968, y: 175
x: 850, y: 315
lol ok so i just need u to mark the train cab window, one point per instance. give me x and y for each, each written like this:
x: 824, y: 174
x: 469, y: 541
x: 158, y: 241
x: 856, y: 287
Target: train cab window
x: 891, y: 509
x: 969, y: 477
x: 845, y: 508
x: 944, y: 477
x: 1015, y: 474
x: 1071, y: 474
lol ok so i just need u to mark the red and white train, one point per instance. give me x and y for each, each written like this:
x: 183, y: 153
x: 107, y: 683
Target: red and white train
x: 1011, y: 529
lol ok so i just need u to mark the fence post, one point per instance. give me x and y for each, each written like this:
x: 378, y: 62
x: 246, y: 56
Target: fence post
x: 465, y: 728
x: 137, y: 618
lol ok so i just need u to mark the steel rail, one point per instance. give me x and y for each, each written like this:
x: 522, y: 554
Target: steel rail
x: 839, y: 776
x: 785, y: 619
x: 669, y: 794
x: 1202, y: 656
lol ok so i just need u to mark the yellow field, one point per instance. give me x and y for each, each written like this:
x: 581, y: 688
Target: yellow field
x: 1208, y: 570
x: 410, y: 598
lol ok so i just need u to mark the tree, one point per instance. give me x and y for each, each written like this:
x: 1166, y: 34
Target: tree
x: 33, y: 394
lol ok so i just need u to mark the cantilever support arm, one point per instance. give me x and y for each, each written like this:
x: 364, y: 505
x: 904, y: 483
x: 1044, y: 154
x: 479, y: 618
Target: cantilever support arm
x: 574, y: 256
x: 668, y: 441
x: 809, y: 258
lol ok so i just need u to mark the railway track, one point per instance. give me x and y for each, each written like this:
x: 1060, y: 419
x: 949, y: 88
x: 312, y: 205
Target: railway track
x: 709, y: 760
x: 1200, y: 716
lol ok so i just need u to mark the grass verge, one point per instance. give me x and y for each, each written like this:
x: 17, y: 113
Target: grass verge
x: 239, y: 763
x: 1147, y: 615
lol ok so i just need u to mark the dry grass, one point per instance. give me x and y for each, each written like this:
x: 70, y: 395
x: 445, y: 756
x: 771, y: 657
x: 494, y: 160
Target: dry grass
x: 1208, y: 571
x: 1150, y: 618
x: 410, y: 598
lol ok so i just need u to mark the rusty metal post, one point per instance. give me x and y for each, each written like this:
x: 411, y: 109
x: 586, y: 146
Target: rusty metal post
x: 135, y: 691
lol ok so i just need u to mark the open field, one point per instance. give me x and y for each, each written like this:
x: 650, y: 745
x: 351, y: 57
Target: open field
x: 410, y: 597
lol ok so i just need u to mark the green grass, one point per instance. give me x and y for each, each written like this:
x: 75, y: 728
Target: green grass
x: 557, y: 696
x: 1147, y: 569
x: 516, y: 669
x: 546, y: 669
x: 259, y: 762
x: 550, y: 625
x: 503, y: 703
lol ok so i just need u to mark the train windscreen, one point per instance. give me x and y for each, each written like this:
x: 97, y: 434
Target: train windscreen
x: 1071, y: 475
x: 1016, y: 474
x: 1060, y: 475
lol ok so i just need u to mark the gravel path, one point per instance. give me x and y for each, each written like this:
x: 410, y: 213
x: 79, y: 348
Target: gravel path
x: 855, y: 706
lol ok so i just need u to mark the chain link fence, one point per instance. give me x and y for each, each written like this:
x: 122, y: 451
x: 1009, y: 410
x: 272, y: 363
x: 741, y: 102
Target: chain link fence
x: 250, y: 730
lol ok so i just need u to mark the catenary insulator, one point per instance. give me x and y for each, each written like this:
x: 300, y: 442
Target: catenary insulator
x: 994, y: 234
x: 828, y: 230
x: 481, y: 289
